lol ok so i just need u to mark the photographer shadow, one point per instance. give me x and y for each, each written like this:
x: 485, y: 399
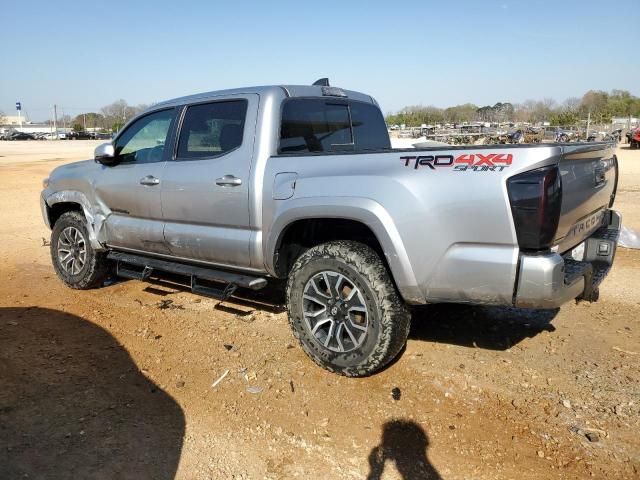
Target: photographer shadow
x: 73, y: 403
x: 403, y: 443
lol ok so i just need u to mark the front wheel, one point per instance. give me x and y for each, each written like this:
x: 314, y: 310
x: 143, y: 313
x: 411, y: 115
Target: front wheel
x: 345, y: 310
x: 76, y: 263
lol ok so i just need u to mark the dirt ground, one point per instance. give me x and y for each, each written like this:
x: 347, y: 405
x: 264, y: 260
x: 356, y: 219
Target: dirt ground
x: 117, y: 382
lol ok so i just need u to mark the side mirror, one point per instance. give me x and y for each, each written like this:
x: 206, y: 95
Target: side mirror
x: 105, y: 154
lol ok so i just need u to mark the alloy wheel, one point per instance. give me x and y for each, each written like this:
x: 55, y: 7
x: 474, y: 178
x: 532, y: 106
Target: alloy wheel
x: 72, y: 250
x: 335, y: 311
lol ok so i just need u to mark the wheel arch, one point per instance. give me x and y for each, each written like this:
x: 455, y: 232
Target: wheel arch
x: 327, y: 219
x: 55, y: 211
x: 58, y: 203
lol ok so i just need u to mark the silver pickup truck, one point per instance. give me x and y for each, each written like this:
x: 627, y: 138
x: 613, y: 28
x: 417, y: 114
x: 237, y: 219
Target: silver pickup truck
x: 234, y: 188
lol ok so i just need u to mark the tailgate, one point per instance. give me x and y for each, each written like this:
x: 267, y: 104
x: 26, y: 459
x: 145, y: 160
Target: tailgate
x: 589, y: 177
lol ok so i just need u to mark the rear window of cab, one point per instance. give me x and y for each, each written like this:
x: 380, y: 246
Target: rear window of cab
x: 316, y: 125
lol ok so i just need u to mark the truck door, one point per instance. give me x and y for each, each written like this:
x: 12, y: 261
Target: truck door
x: 205, y: 192
x: 130, y: 189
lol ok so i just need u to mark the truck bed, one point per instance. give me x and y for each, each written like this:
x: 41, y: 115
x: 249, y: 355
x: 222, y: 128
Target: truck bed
x: 453, y: 235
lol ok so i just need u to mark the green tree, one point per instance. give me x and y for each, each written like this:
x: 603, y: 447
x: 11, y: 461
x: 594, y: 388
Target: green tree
x: 565, y: 118
x: 602, y: 106
x: 461, y: 113
x: 594, y: 102
x: 90, y: 119
x: 500, y: 112
x: 415, y: 116
x: 116, y: 113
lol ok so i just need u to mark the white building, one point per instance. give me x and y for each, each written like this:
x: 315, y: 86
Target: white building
x: 11, y: 120
x: 625, y: 122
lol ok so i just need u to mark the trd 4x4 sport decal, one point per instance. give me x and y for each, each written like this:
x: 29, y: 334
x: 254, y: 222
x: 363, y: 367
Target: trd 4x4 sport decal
x: 476, y: 162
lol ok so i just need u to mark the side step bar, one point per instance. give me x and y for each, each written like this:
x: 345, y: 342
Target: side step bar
x: 147, y: 265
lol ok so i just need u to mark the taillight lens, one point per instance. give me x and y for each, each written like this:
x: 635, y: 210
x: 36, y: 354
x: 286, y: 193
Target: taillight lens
x: 615, y: 182
x: 536, y: 200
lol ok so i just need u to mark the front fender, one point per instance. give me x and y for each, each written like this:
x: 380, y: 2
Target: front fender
x: 363, y: 210
x: 94, y: 221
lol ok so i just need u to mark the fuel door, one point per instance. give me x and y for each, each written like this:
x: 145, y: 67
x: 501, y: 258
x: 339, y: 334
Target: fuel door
x: 284, y: 185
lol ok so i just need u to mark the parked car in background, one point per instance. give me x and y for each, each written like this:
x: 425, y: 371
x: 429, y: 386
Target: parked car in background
x: 526, y: 135
x: 616, y: 134
x: 21, y: 136
x: 560, y: 134
x: 81, y: 136
x: 515, y: 136
x: 634, y: 139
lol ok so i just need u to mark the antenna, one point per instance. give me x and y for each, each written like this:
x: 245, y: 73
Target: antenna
x: 322, y: 82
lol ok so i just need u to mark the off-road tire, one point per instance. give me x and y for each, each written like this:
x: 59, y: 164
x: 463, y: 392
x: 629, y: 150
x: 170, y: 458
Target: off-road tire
x: 96, y: 267
x: 389, y: 317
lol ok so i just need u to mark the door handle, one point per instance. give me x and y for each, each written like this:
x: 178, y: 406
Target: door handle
x: 149, y: 180
x: 229, y: 181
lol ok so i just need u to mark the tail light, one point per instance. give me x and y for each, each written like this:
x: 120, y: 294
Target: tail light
x: 615, y: 181
x: 536, y: 199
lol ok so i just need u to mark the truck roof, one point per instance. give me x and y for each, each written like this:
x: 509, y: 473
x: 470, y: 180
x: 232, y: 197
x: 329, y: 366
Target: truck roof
x: 267, y: 90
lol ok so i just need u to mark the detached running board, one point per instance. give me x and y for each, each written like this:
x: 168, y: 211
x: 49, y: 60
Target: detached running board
x: 139, y: 267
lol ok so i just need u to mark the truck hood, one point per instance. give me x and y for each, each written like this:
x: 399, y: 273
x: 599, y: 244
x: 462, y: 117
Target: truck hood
x: 85, y: 170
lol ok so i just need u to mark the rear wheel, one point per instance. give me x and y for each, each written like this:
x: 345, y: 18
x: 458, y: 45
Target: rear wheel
x: 76, y: 263
x: 345, y: 310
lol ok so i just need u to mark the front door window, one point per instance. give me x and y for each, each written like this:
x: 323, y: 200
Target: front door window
x: 144, y: 140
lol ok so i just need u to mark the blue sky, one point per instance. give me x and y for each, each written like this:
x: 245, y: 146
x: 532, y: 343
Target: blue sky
x: 84, y: 55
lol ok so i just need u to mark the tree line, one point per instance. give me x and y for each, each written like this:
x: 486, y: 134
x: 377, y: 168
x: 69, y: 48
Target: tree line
x: 602, y: 107
x: 110, y: 117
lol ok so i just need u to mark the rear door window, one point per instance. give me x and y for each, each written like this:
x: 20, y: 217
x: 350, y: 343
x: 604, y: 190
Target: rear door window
x: 212, y: 129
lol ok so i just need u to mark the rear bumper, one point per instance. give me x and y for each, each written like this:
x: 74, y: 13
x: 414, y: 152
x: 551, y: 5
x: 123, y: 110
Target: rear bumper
x: 549, y: 280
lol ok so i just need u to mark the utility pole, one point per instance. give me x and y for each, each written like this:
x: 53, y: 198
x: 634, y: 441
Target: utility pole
x: 55, y: 119
x: 588, y: 123
x: 84, y: 121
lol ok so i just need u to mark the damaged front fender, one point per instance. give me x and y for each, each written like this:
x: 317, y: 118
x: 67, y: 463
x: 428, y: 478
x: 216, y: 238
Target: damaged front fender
x: 95, y: 219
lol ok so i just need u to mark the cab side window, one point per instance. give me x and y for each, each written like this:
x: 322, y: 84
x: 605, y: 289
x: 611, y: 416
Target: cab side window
x: 144, y: 140
x: 369, y: 127
x: 314, y: 125
x: 212, y: 129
